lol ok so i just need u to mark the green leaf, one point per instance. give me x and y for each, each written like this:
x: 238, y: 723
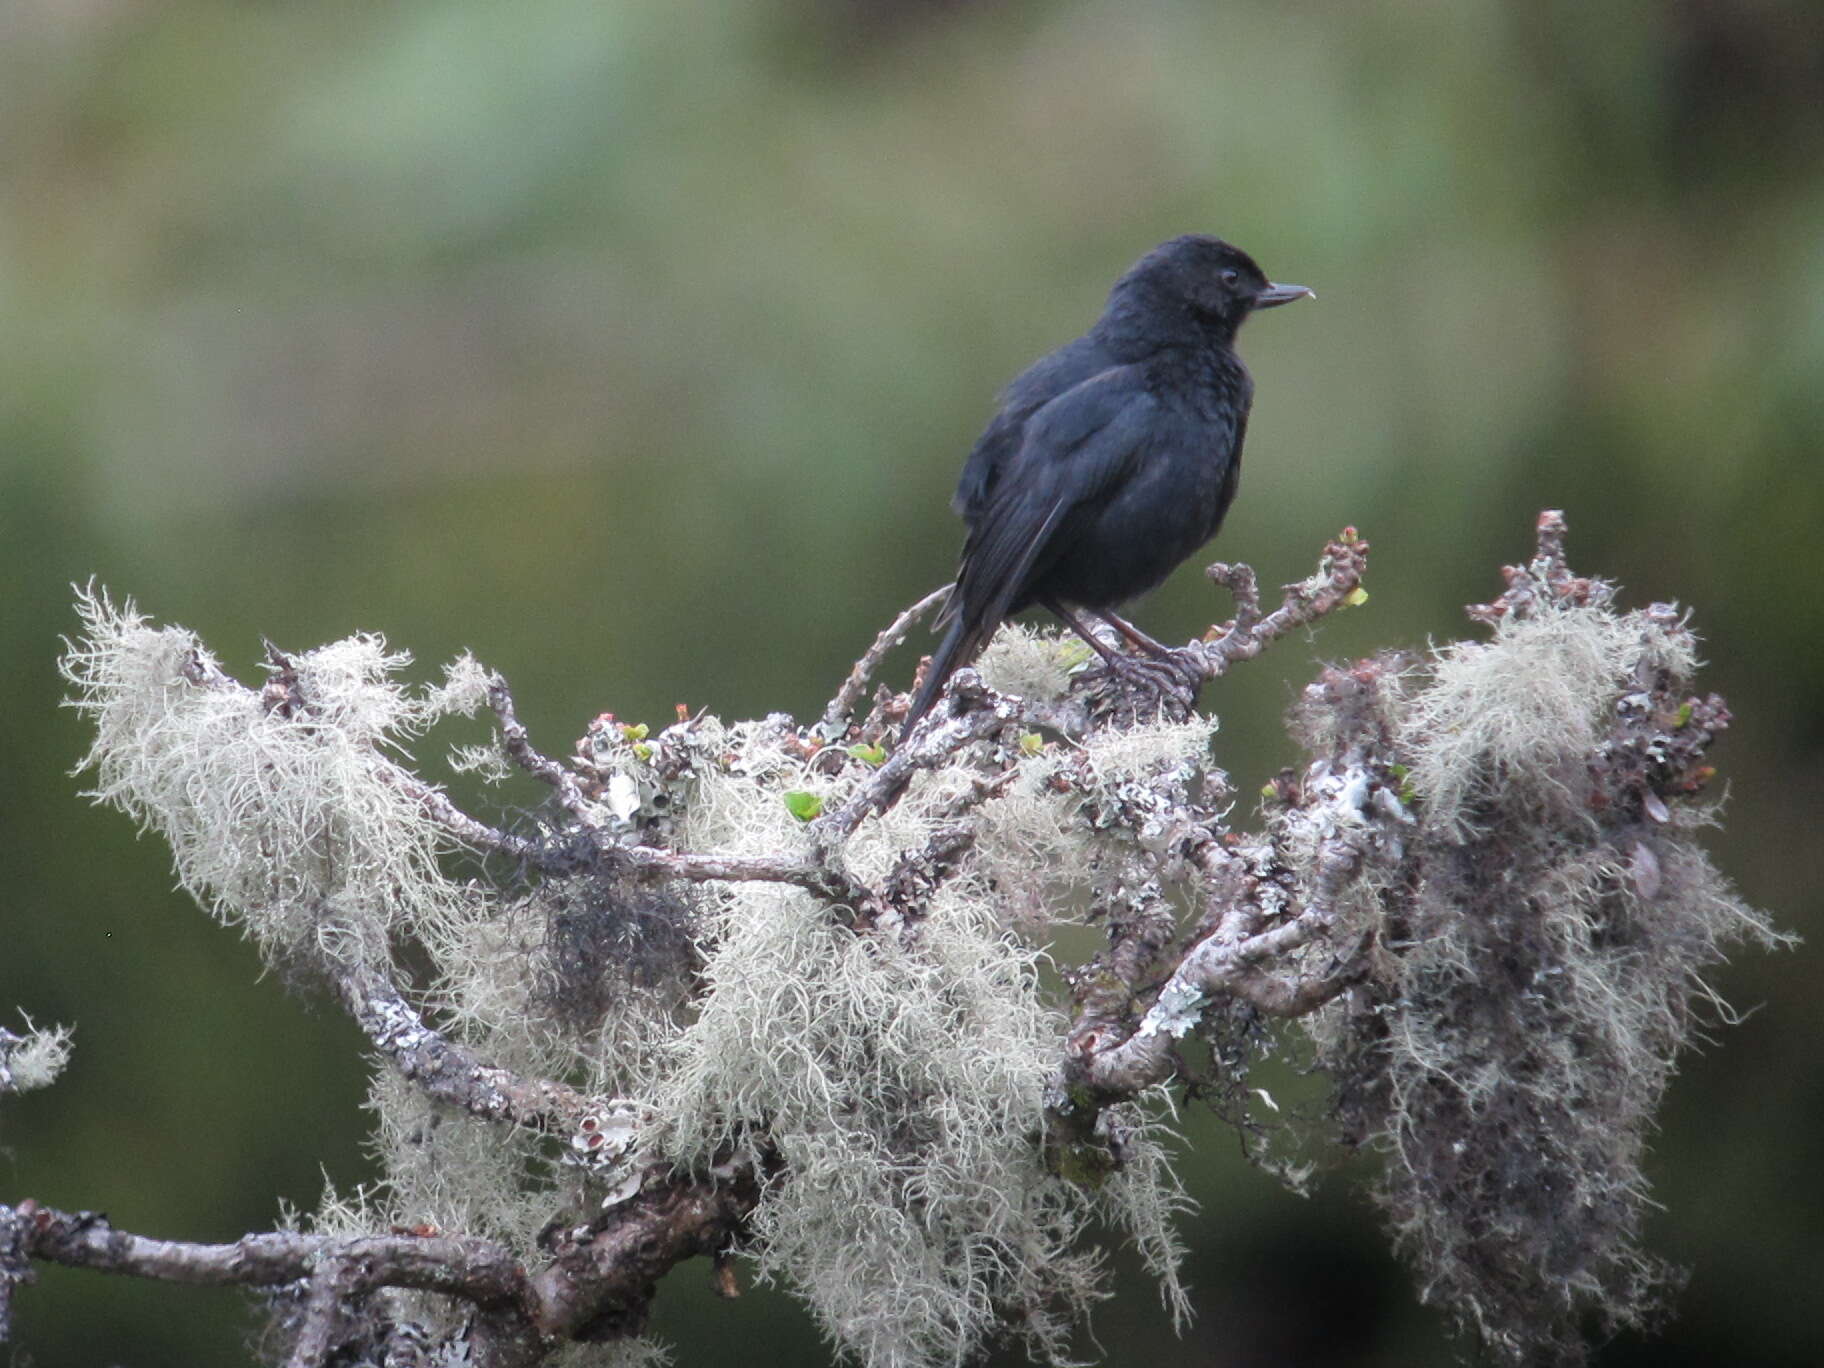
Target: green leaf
x: 642, y: 750
x: 1356, y: 597
x: 802, y: 805
x: 634, y: 731
x: 1402, y: 775
x: 1031, y: 743
x: 872, y: 755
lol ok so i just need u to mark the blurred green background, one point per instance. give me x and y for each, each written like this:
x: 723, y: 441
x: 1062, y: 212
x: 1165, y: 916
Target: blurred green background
x: 636, y: 347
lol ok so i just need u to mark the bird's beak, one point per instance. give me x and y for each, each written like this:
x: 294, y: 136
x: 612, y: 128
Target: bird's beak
x: 1275, y: 295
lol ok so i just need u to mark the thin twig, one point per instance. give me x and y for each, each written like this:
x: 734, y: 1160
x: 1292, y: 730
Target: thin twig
x: 517, y: 742
x: 931, y: 744
x: 1209, y: 968
x: 471, y: 831
x: 843, y: 704
x: 1339, y: 576
x: 653, y: 862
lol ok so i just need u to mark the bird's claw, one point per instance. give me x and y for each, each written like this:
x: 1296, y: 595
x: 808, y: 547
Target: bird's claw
x: 1127, y: 683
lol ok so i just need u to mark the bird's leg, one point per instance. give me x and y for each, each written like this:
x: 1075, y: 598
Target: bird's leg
x: 1186, y: 669
x: 1114, y: 660
x: 1158, y: 650
x: 1164, y: 675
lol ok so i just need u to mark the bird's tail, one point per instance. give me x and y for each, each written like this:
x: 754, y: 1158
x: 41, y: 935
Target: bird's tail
x: 956, y: 650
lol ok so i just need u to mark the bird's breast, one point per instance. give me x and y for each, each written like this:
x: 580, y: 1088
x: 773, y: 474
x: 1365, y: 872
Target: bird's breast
x: 1207, y: 387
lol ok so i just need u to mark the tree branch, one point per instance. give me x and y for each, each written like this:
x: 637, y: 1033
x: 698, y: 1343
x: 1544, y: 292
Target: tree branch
x: 1337, y: 582
x: 604, y: 1273
x: 451, y: 1073
x: 478, y: 1271
x: 843, y: 704
x: 518, y: 744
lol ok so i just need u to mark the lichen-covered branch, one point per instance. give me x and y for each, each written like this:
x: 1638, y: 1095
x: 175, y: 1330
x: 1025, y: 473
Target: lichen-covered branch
x: 517, y: 743
x: 601, y: 1278
x: 448, y: 1072
x: 774, y: 989
x: 483, y: 1274
x: 1337, y: 583
x: 836, y: 714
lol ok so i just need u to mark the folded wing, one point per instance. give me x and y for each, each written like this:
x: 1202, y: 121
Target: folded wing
x: 1072, y: 451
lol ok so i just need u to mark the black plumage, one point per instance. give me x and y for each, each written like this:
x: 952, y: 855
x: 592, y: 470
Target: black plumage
x: 1112, y: 459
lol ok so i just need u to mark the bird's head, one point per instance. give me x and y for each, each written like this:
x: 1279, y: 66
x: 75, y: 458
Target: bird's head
x: 1196, y: 281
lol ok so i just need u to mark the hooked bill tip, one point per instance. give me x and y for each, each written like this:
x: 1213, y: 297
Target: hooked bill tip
x: 1276, y: 294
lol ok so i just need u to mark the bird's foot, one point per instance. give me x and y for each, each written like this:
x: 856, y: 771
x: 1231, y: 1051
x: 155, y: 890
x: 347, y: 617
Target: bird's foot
x: 1131, y: 686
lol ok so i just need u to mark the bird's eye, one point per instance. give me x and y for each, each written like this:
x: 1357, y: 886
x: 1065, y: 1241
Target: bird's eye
x: 1231, y: 276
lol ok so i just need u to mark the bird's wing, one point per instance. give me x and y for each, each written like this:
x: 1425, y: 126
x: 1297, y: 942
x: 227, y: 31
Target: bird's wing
x: 1039, y: 384
x: 999, y: 441
x: 1072, y: 451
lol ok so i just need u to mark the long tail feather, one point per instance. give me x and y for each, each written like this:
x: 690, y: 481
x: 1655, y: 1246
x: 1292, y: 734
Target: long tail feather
x: 945, y: 661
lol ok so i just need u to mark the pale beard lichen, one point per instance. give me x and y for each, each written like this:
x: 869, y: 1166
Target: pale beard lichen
x: 33, y: 1060
x: 895, y: 1079
x: 1031, y: 664
x: 277, y: 804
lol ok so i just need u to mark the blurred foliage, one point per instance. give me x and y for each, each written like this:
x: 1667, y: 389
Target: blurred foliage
x: 635, y: 346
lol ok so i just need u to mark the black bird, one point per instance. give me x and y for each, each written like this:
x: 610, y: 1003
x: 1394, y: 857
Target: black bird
x: 1113, y: 458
